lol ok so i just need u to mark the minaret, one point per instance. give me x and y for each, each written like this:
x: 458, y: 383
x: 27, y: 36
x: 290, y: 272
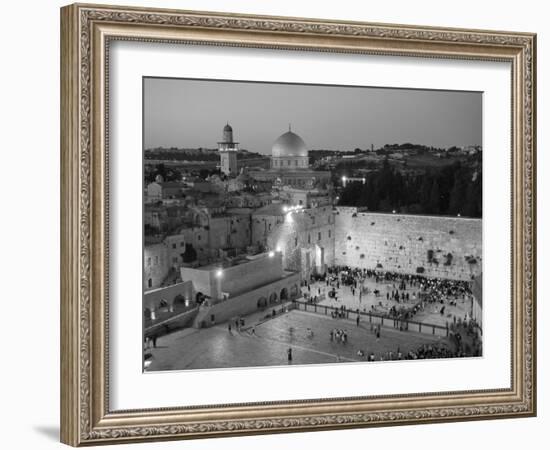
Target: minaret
x: 228, y: 152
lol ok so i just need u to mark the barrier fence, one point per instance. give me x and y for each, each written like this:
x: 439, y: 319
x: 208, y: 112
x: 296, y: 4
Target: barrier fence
x: 374, y: 318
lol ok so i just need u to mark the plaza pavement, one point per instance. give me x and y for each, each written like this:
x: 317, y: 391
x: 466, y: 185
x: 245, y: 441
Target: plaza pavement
x: 265, y: 343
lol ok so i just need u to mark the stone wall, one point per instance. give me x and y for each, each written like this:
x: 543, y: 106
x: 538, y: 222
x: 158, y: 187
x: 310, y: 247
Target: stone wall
x: 262, y: 298
x: 169, y: 296
x: 242, y: 277
x: 214, y: 281
x: 448, y: 247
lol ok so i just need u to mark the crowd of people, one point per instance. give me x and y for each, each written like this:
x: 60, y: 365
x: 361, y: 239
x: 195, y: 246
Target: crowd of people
x: 338, y: 335
x: 426, y: 351
x: 413, y: 292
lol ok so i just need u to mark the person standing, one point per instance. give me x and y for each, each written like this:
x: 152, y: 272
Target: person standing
x: 289, y: 354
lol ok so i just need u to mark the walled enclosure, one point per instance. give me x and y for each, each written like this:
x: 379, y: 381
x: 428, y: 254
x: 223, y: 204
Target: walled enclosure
x: 434, y: 246
x: 263, y: 297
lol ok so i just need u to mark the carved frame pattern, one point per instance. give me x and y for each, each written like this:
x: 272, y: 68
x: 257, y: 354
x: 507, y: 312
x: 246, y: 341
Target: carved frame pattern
x: 86, y: 33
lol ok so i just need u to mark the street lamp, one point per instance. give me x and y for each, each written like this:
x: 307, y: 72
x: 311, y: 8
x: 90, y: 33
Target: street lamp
x: 271, y: 254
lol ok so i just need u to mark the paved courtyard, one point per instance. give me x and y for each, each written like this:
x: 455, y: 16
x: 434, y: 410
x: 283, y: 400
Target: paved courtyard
x: 431, y: 313
x: 265, y: 343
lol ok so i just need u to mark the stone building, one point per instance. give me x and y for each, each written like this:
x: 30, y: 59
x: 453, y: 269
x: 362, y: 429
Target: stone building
x: 228, y: 152
x: 155, y: 266
x: 290, y: 165
x: 305, y: 237
x: 240, y: 286
x: 160, y: 190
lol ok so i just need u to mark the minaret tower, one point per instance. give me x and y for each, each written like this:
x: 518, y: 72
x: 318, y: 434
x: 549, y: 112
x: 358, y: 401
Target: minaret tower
x: 228, y: 152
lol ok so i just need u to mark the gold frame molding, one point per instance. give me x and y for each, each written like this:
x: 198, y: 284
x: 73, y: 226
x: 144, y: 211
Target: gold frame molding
x: 86, y: 31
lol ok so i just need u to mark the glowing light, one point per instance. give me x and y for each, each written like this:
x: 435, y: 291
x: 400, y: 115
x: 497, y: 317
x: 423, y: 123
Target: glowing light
x: 271, y: 254
x: 278, y: 248
x: 393, y: 211
x: 458, y: 215
x: 285, y: 208
x: 344, y: 178
x: 219, y: 273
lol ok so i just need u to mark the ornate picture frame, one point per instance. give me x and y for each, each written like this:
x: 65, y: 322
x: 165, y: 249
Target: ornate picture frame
x: 86, y: 33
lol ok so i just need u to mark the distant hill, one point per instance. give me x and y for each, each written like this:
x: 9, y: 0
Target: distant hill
x: 193, y: 154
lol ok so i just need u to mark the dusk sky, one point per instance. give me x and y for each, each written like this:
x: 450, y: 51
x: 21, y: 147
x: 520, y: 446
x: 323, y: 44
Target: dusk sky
x: 192, y: 113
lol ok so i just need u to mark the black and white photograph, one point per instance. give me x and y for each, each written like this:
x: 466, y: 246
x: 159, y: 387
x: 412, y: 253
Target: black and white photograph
x: 290, y: 224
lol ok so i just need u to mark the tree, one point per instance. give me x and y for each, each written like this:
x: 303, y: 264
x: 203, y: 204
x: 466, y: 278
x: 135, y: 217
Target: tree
x: 435, y: 198
x: 458, y: 195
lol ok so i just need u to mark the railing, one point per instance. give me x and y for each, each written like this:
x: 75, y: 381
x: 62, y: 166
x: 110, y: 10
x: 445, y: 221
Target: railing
x: 374, y: 318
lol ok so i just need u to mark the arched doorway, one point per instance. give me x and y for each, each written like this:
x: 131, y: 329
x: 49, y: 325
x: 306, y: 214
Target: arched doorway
x: 179, y: 302
x: 294, y: 292
x: 284, y: 294
x: 273, y: 298
x: 262, y: 302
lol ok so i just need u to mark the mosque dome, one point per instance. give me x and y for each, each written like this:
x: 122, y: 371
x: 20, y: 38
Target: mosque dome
x: 289, y: 144
x: 227, y: 128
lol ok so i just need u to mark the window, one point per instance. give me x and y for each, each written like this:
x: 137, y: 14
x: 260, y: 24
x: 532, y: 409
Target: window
x: 175, y: 259
x: 149, y: 282
x: 156, y: 260
x: 182, y: 244
x: 148, y: 262
x: 295, y: 242
x: 198, y: 237
x: 319, y: 236
x: 174, y: 245
x: 329, y: 234
x: 309, y: 238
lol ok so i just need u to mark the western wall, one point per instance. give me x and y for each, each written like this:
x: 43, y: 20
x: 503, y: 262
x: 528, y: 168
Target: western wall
x: 434, y: 246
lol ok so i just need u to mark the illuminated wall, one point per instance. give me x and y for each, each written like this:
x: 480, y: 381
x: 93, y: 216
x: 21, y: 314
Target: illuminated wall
x: 448, y: 247
x: 305, y: 237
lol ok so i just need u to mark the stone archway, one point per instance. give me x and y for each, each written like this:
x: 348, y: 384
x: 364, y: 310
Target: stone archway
x: 273, y: 298
x: 261, y: 303
x: 284, y: 294
x: 294, y: 292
